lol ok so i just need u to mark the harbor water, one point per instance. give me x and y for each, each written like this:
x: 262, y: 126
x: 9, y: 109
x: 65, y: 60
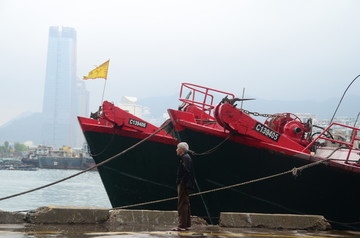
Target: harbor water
x: 83, y: 190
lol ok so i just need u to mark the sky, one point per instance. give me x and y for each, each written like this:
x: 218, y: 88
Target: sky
x: 289, y: 50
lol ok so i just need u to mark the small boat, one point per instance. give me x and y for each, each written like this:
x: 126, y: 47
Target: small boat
x: 47, y: 157
x: 279, y: 165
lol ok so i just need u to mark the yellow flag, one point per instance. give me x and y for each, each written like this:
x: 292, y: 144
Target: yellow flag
x: 99, y: 72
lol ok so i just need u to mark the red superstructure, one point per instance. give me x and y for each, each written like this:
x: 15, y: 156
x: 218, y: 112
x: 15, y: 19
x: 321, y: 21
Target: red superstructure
x: 114, y: 120
x: 281, y: 132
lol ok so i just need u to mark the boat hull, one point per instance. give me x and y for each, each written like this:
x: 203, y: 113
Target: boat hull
x: 318, y: 190
x: 50, y: 162
x: 145, y: 173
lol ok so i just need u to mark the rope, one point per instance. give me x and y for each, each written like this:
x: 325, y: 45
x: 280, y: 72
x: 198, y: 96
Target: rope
x: 342, y: 97
x: 105, y: 147
x: 293, y: 171
x: 88, y: 169
x: 212, y: 149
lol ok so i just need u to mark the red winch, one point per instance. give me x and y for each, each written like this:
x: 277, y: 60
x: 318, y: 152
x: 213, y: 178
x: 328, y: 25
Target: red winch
x: 290, y: 125
x: 285, y: 128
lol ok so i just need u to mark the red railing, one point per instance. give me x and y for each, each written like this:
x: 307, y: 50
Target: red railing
x: 354, y: 137
x: 202, y: 97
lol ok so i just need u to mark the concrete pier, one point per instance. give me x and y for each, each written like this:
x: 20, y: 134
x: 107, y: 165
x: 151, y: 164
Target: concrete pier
x: 11, y: 217
x: 274, y: 221
x: 92, y: 222
x: 116, y: 218
x: 128, y: 217
x: 70, y: 215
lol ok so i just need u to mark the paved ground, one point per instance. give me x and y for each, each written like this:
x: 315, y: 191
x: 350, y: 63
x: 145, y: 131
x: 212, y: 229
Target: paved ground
x: 92, y: 231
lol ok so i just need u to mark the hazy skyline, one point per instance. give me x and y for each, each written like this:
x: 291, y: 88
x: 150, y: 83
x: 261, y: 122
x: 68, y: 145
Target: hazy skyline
x: 292, y: 50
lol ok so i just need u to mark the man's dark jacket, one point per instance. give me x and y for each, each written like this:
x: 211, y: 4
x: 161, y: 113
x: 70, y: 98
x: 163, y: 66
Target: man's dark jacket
x: 185, y: 173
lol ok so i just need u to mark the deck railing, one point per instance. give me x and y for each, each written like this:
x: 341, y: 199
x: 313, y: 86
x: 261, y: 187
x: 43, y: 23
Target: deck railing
x: 202, y: 97
x: 355, y: 136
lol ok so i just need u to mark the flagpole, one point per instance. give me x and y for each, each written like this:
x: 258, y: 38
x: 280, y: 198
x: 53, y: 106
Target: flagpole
x: 102, y: 98
x: 99, y: 72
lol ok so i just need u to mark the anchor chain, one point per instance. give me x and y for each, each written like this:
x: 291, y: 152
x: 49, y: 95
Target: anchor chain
x: 212, y: 149
x: 258, y: 114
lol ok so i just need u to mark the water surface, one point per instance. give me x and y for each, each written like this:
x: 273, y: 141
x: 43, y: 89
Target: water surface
x: 83, y: 190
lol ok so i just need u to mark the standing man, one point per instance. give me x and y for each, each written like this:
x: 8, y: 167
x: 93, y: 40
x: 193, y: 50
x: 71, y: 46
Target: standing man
x: 185, y: 182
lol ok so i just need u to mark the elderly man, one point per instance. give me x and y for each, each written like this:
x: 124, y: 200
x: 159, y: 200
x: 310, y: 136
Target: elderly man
x: 185, y: 182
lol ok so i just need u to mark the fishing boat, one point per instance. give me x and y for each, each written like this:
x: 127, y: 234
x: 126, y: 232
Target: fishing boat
x: 278, y: 165
x: 145, y: 173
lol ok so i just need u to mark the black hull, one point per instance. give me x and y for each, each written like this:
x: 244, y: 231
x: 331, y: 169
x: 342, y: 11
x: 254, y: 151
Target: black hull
x: 148, y: 172
x: 319, y: 190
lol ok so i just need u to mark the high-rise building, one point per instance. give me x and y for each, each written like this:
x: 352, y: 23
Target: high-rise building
x: 65, y: 96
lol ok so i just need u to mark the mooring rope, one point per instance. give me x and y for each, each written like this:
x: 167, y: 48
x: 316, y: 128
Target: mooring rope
x: 293, y: 171
x: 214, y: 148
x: 105, y: 147
x: 88, y: 169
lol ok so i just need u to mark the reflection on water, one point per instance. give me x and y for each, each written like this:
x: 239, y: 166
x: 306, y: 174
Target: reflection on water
x: 83, y: 190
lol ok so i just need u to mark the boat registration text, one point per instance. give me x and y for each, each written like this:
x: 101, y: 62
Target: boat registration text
x: 262, y: 129
x: 137, y: 123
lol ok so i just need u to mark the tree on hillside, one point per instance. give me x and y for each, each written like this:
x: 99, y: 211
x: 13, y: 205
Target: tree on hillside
x: 6, y: 145
x: 20, y: 147
x: 4, y: 149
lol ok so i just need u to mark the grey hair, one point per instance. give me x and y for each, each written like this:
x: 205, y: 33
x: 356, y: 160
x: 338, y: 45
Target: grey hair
x: 183, y: 145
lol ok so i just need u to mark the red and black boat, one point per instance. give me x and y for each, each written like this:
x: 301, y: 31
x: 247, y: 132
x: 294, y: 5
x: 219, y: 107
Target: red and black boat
x: 145, y: 173
x: 306, y: 172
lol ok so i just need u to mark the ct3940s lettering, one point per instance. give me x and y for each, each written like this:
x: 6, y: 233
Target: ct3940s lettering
x: 266, y: 131
x: 137, y: 123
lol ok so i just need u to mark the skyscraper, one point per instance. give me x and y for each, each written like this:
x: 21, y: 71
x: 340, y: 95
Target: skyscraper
x: 65, y: 96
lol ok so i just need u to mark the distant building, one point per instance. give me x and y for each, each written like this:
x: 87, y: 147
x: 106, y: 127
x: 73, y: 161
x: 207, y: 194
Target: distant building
x: 129, y: 104
x: 65, y: 96
x: 306, y: 116
x: 321, y: 124
x: 345, y: 131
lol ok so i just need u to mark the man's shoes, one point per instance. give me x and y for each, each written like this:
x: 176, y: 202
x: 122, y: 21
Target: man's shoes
x: 179, y: 229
